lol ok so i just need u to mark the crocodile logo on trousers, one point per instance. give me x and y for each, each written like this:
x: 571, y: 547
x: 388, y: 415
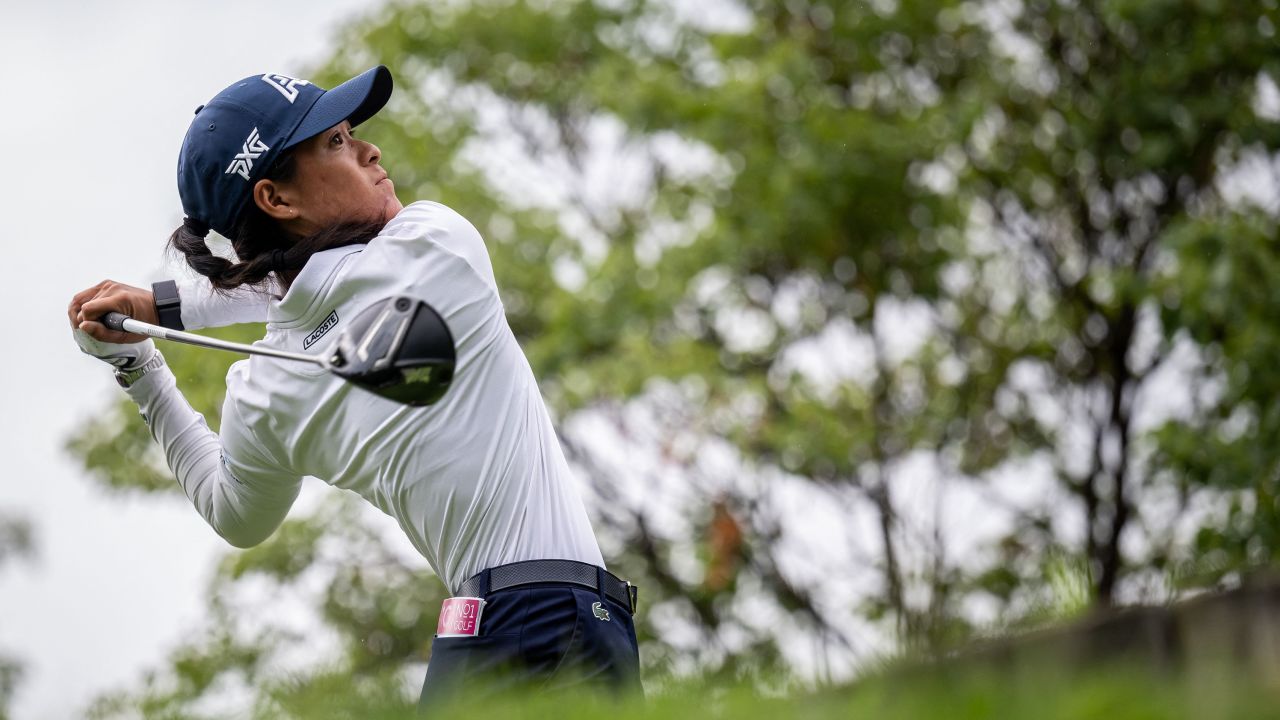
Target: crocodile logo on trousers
x: 598, y: 610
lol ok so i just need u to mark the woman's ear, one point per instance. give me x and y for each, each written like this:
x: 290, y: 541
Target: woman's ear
x: 269, y: 199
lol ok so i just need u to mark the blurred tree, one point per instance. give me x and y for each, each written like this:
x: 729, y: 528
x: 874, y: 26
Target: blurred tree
x: 848, y: 312
x: 15, y: 541
x: 1112, y: 134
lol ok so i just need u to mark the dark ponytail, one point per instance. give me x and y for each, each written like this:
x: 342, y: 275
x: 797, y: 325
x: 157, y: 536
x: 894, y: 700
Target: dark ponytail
x: 261, y: 246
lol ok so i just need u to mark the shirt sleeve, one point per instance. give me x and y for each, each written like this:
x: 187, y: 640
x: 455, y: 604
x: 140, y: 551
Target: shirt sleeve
x: 203, y: 307
x: 242, y: 496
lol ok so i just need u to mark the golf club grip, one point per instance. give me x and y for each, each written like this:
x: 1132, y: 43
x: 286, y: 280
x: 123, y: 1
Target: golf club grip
x: 114, y: 320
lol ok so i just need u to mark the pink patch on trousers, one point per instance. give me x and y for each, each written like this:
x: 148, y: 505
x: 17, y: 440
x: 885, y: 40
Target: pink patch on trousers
x: 460, y: 617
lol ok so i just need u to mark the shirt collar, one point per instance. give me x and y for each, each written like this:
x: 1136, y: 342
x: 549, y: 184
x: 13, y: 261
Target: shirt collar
x: 306, y: 297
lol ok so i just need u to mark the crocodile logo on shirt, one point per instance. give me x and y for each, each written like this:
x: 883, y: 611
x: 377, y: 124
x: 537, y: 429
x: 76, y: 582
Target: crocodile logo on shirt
x: 598, y: 610
x: 320, y: 330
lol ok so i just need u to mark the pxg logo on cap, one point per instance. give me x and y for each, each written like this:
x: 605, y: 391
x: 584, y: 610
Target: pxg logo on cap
x: 253, y: 148
x: 237, y: 135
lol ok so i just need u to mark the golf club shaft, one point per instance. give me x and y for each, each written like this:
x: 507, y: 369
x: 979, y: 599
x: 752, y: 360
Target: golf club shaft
x: 124, y: 323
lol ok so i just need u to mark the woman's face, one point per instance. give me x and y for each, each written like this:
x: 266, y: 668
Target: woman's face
x: 337, y: 179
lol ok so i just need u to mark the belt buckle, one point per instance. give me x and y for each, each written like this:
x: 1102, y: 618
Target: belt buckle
x: 633, y: 597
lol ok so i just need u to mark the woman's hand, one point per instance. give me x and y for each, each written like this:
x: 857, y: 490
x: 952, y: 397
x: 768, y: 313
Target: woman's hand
x: 107, y: 296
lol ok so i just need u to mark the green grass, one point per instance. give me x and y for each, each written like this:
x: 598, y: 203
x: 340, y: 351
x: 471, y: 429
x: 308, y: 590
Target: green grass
x: 953, y: 692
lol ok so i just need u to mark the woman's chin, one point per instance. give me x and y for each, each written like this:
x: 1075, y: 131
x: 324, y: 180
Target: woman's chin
x: 392, y: 208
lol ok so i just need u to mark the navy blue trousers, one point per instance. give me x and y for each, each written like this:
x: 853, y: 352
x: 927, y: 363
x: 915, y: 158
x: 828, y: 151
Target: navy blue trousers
x: 542, y: 638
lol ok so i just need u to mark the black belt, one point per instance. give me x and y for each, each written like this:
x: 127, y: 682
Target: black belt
x: 534, y: 572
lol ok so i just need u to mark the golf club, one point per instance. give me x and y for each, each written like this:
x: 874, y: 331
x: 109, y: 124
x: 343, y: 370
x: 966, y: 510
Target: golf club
x: 398, y: 348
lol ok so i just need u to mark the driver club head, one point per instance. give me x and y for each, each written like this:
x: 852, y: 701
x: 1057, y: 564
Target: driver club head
x: 399, y: 348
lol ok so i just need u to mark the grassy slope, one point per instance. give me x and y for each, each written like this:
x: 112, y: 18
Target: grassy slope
x: 1114, y: 693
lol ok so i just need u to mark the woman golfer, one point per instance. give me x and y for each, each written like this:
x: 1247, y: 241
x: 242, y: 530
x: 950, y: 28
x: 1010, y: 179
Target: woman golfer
x: 477, y: 481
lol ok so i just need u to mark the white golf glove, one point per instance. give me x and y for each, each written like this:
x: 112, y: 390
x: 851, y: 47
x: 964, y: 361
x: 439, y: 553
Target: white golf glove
x: 126, y: 356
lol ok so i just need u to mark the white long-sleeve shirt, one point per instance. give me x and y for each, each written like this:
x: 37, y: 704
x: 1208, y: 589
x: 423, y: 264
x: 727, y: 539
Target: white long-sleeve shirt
x: 476, y: 480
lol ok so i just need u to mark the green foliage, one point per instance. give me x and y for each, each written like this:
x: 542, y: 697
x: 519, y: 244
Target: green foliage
x: 1120, y: 691
x: 15, y: 542
x: 189, y: 673
x: 16, y: 537
x: 380, y: 609
x: 1223, y: 297
x: 1097, y: 153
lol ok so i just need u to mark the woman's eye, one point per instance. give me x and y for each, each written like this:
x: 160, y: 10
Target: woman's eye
x: 336, y: 139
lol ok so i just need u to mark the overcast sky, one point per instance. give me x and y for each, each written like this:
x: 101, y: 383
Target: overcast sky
x: 97, y: 97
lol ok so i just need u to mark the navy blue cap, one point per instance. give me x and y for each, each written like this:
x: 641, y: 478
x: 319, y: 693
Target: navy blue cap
x: 243, y: 129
